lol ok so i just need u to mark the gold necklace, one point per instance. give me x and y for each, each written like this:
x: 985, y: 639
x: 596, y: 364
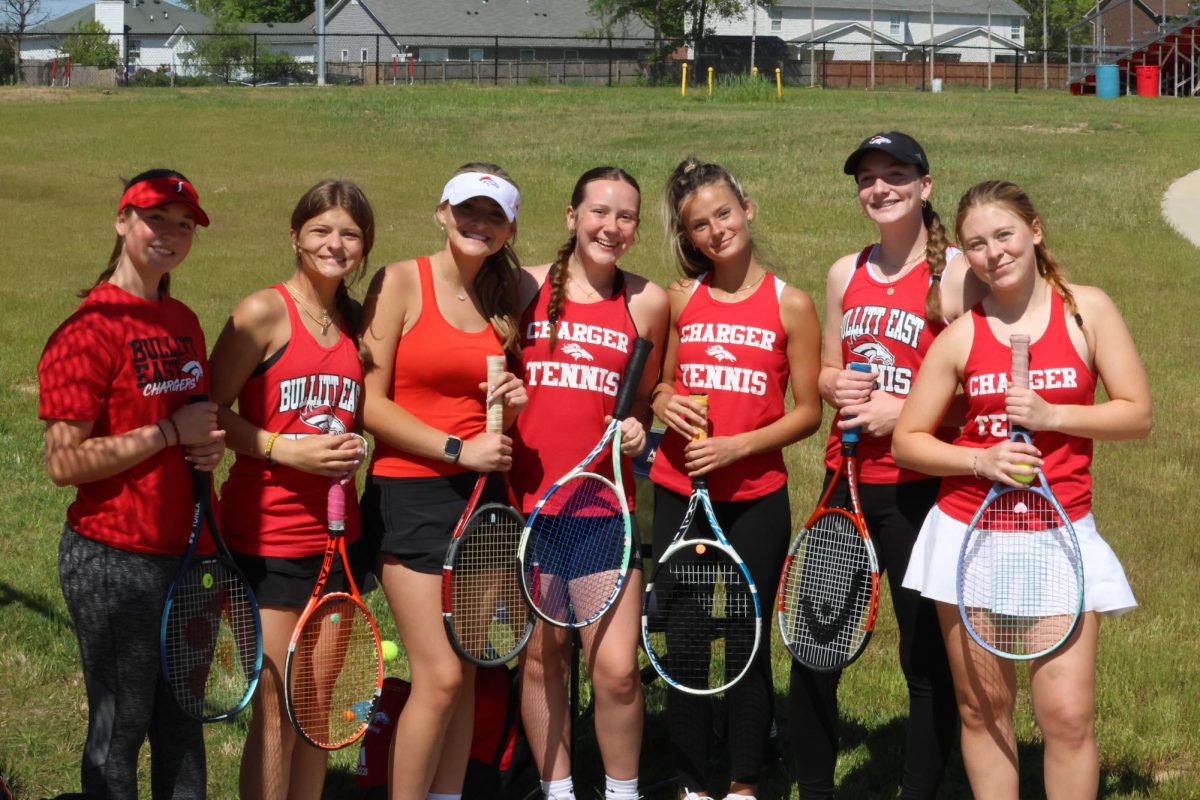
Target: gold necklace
x: 748, y: 286
x: 325, y: 320
x: 889, y: 279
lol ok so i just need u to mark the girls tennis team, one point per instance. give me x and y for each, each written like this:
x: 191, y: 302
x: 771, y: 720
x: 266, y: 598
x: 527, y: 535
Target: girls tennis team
x: 308, y: 369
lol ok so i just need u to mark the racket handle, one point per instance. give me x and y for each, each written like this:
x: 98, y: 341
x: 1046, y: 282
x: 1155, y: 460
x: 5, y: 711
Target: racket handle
x: 632, y: 377
x: 850, y: 435
x: 702, y: 400
x: 495, y: 408
x: 1020, y: 360
x: 335, y: 505
x: 201, y: 481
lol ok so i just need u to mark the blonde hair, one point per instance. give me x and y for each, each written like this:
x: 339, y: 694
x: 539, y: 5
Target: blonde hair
x: 689, y: 176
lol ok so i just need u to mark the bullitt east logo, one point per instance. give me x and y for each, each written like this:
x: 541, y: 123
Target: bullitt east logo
x: 165, y: 364
x: 872, y: 351
x: 321, y: 416
x: 720, y: 353
x: 577, y: 352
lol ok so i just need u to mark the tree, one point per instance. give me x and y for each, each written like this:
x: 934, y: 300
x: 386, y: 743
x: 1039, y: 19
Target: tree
x: 222, y: 50
x: 670, y: 18
x: 254, y: 10
x: 88, y: 45
x: 19, y: 16
x: 1060, y: 15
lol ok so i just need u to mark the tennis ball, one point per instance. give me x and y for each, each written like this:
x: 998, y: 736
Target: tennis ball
x: 335, y: 618
x: 207, y: 580
x: 390, y: 650
x: 348, y: 715
x: 700, y: 548
x: 1024, y: 478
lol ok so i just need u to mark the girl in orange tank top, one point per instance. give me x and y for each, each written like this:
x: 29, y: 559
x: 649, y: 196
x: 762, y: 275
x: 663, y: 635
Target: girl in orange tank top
x: 428, y: 325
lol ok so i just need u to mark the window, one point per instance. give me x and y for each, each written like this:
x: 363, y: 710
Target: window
x: 434, y: 54
x: 475, y: 54
x: 1015, y: 29
x: 776, y: 16
x: 362, y: 55
x: 527, y: 55
x: 570, y: 55
x: 135, y: 50
x: 345, y: 55
x: 898, y: 22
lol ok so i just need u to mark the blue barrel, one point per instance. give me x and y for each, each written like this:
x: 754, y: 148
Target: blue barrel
x: 1108, y: 81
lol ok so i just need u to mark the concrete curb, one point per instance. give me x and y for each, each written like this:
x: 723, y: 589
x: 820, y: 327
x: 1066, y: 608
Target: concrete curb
x: 1181, y: 206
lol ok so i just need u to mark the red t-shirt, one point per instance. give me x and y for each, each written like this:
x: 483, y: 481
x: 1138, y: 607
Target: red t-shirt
x: 570, y: 390
x: 1058, y: 375
x: 308, y: 390
x: 436, y: 378
x: 736, y: 353
x: 121, y: 362
x: 884, y: 325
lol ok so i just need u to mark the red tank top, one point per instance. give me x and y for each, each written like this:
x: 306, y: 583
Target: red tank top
x: 570, y: 390
x: 884, y: 325
x: 436, y: 378
x: 1059, y: 376
x: 737, y: 354
x: 307, y: 390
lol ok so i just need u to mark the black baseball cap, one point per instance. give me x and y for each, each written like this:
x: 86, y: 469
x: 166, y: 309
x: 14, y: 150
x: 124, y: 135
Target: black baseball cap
x: 899, y: 146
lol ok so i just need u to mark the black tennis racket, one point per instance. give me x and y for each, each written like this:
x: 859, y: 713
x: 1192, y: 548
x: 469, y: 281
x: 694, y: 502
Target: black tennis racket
x: 578, y: 542
x: 483, y: 608
x: 1020, y: 572
x: 210, y: 639
x: 701, y: 618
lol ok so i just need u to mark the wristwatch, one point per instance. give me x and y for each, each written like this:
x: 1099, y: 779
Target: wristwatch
x: 453, y: 449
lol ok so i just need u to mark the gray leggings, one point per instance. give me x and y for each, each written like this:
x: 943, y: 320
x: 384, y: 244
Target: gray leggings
x: 115, y: 599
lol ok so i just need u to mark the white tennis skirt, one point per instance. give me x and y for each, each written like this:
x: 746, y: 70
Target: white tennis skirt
x: 933, y: 567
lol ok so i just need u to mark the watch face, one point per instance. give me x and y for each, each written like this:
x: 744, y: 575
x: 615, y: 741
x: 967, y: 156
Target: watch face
x: 453, y: 448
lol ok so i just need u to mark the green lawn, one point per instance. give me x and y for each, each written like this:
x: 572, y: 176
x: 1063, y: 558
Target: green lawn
x: 1095, y: 168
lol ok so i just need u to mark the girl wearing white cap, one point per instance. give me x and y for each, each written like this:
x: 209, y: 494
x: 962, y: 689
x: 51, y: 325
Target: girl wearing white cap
x: 428, y: 326
x: 115, y: 380
x: 884, y: 304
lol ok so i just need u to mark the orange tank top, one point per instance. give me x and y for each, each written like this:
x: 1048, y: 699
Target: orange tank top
x: 436, y: 378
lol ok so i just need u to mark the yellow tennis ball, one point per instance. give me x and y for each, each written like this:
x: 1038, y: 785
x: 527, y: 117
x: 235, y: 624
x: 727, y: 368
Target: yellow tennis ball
x: 390, y: 650
x: 1024, y: 478
x: 700, y: 548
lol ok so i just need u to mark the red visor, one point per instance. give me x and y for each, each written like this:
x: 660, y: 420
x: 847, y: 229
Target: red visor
x: 154, y: 192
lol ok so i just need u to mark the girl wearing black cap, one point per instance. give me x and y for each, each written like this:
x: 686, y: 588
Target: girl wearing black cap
x: 883, y: 306
x: 115, y: 380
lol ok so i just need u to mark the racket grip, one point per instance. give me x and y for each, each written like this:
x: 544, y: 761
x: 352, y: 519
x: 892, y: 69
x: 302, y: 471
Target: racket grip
x: 1020, y: 360
x: 495, y: 408
x: 850, y: 435
x: 335, y: 505
x: 632, y: 377
x: 702, y: 400
x: 201, y: 481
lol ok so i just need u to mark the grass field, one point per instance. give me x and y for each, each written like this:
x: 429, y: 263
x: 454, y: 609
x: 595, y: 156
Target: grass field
x: 1096, y: 169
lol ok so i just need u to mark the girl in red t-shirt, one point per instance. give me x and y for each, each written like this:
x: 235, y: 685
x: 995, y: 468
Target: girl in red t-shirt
x: 289, y: 356
x: 742, y: 337
x: 428, y: 326
x: 1078, y: 334
x: 583, y: 309
x: 115, y: 380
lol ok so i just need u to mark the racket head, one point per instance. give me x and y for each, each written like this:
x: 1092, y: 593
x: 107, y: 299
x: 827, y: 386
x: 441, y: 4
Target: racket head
x: 576, y: 549
x: 828, y: 593
x: 484, y: 609
x: 211, y: 640
x: 701, y: 617
x: 1020, y: 574
x: 334, y: 671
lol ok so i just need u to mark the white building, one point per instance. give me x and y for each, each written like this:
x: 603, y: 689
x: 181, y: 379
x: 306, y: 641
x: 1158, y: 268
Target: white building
x: 959, y: 30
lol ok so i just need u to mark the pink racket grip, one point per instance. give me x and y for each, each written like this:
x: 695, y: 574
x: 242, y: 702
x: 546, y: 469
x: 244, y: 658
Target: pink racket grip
x: 335, y: 505
x: 1020, y: 359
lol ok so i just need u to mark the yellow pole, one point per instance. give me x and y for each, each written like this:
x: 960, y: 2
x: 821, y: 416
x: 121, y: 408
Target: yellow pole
x: 710, y: 76
x: 778, y: 83
x: 754, y: 73
x: 683, y: 83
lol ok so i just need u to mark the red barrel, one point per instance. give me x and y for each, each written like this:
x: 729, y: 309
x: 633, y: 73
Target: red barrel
x: 1147, y: 80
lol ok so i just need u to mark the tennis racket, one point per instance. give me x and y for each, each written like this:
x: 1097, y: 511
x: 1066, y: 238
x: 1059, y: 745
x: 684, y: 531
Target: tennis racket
x: 334, y: 668
x: 578, y: 542
x: 483, y: 609
x: 1020, y: 573
x: 701, y: 619
x: 210, y: 638
x: 829, y: 587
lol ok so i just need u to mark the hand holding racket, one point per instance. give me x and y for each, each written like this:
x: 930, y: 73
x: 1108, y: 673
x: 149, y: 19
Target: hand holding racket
x: 829, y: 588
x: 577, y: 544
x: 1020, y: 572
x: 210, y: 638
x: 483, y: 608
x: 701, y: 619
x: 334, y: 668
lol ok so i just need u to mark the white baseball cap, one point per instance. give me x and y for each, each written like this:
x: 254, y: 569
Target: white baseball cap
x: 466, y: 185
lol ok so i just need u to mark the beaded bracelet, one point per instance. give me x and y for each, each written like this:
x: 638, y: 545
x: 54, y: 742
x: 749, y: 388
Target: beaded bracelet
x: 166, y: 441
x: 270, y: 444
x: 974, y: 464
x: 174, y: 427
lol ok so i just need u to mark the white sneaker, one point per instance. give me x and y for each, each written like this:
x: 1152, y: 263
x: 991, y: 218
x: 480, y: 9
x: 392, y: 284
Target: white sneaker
x: 740, y: 797
x: 694, y: 796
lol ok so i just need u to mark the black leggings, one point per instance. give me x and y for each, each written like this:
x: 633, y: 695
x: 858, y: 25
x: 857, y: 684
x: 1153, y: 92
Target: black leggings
x: 759, y: 530
x: 894, y: 514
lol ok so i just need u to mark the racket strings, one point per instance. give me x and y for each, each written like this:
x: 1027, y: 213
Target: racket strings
x: 334, y: 673
x: 828, y: 593
x: 211, y: 641
x: 578, y: 551
x: 1021, y: 575
x: 702, y: 619
x: 489, y: 610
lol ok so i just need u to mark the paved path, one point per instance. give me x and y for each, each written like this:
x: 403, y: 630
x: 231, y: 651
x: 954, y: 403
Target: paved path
x: 1181, y: 206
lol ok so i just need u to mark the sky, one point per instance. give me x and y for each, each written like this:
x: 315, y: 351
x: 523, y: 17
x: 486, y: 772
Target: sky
x: 56, y: 8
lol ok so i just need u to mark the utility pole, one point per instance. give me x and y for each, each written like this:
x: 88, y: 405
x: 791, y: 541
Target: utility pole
x: 753, y: 32
x: 872, y: 44
x: 320, y: 42
x: 1045, y: 50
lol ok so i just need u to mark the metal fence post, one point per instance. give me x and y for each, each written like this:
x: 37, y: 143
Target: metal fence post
x: 610, y: 60
x: 254, y: 61
x: 1016, y: 71
x: 126, y: 70
x: 496, y: 60
x: 923, y: 59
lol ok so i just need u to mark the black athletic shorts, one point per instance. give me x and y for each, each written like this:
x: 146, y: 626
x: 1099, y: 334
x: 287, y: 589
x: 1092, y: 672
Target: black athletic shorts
x: 289, y: 582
